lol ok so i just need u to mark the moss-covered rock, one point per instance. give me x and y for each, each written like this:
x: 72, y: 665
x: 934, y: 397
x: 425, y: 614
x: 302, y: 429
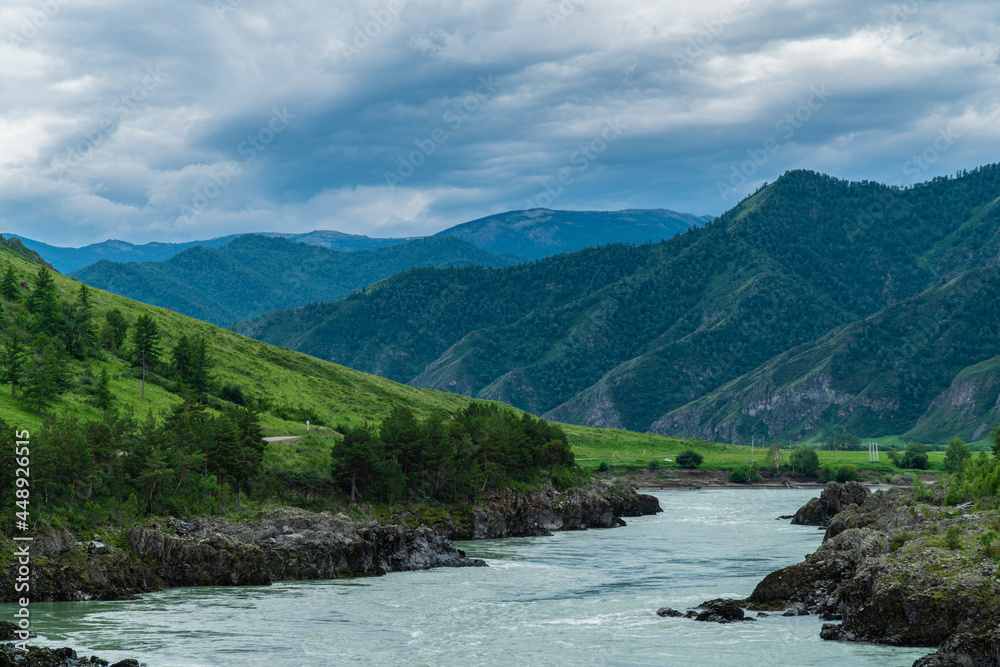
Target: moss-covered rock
x: 901, y: 572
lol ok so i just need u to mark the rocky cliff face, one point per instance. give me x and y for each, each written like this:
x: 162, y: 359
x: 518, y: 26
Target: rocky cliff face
x: 888, y: 572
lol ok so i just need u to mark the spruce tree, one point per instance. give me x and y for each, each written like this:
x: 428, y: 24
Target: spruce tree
x: 119, y: 326
x: 147, y: 345
x: 43, y: 374
x: 12, y: 361
x: 103, y: 396
x: 9, y: 287
x: 201, y: 366
x: 42, y: 297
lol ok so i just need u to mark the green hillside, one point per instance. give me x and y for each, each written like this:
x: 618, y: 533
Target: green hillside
x: 254, y: 274
x: 285, y: 378
x: 112, y: 440
x: 620, y: 336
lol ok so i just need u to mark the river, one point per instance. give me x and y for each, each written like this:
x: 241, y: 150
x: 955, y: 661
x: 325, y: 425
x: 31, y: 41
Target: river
x: 576, y: 598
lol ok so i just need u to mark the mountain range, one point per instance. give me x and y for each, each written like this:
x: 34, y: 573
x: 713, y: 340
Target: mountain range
x: 525, y: 235
x: 813, y: 306
x: 255, y: 274
x: 541, y: 233
x: 67, y: 260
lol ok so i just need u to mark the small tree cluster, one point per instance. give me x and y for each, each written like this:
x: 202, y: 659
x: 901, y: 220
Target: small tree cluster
x: 482, y: 448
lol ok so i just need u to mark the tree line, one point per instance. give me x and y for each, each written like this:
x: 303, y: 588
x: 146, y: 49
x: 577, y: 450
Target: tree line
x: 483, y: 447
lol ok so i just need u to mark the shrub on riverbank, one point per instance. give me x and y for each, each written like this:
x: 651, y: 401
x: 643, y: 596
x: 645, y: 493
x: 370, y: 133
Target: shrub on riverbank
x: 689, y: 459
x: 847, y: 473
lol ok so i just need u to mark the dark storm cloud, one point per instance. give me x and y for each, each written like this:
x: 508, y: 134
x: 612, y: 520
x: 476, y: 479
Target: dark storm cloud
x: 197, y: 119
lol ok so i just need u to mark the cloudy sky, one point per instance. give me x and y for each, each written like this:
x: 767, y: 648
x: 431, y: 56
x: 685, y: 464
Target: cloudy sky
x: 190, y: 119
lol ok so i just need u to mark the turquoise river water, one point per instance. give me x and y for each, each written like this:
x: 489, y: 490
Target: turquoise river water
x: 576, y: 598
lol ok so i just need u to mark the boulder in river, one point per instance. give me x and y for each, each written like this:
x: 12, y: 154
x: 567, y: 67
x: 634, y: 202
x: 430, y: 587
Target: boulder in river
x: 834, y: 499
x: 667, y: 612
x: 721, y: 610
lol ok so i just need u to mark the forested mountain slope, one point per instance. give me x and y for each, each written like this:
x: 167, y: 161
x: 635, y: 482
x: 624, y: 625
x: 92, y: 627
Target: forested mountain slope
x: 255, y: 274
x: 623, y: 335
x: 926, y: 367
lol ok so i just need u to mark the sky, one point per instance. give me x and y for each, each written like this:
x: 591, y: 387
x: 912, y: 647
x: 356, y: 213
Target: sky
x: 185, y: 120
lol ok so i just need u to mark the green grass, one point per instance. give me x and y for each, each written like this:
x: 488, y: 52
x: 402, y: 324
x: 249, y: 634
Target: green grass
x: 593, y: 446
x: 337, y: 393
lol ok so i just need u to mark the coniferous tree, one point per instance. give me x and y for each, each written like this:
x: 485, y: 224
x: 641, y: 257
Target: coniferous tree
x: 9, y: 287
x: 356, y: 460
x: 181, y: 359
x: 103, y: 397
x: 83, y: 320
x: 43, y: 373
x: 119, y: 327
x: 43, y: 303
x: 146, y: 338
x: 13, y: 363
x: 201, y: 366
x: 251, y: 445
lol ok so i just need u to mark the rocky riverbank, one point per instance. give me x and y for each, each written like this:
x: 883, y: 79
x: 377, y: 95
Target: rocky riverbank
x: 507, y: 513
x: 288, y: 544
x: 284, y: 544
x: 895, y: 570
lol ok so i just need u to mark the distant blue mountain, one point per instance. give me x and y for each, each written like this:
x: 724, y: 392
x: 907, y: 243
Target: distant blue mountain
x: 523, y: 235
x: 67, y: 260
x: 541, y: 232
x: 70, y: 259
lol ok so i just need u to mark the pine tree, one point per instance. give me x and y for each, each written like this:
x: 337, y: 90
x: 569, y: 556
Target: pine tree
x: 201, y: 366
x: 147, y: 345
x: 103, y: 396
x: 83, y: 297
x: 119, y: 327
x: 42, y: 301
x: 355, y: 460
x: 12, y: 361
x: 251, y: 445
x: 181, y: 359
x: 43, y: 374
x: 82, y: 318
x: 9, y: 287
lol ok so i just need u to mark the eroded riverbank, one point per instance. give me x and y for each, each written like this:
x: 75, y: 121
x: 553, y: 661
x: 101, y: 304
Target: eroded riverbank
x: 285, y: 544
x: 577, y: 597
